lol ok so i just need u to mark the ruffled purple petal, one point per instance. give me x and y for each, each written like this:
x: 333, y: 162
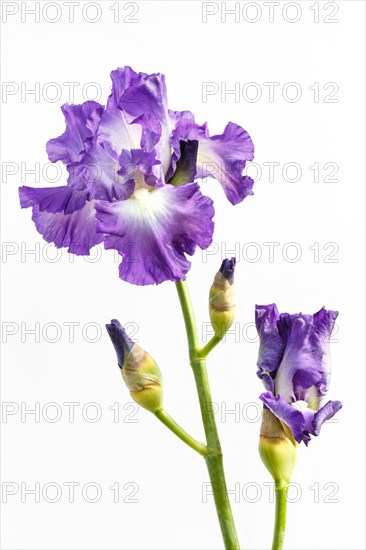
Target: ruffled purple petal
x: 139, y: 93
x: 143, y: 97
x: 99, y: 172
x: 301, y: 423
x: 138, y: 165
x: 272, y: 345
x: 153, y: 230
x: 63, y: 216
x: 222, y: 157
x: 82, y: 122
x: 304, y: 372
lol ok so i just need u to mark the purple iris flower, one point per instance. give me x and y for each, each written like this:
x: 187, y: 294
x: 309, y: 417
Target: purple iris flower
x: 132, y: 169
x: 294, y: 365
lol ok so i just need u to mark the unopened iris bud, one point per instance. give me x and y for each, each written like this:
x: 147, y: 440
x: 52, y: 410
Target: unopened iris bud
x: 222, y: 298
x: 277, y: 448
x: 139, y: 370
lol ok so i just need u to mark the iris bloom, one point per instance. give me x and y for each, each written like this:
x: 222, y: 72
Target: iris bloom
x: 294, y: 365
x: 132, y: 167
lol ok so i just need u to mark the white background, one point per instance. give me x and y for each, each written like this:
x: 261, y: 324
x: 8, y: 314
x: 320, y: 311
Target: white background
x: 170, y: 37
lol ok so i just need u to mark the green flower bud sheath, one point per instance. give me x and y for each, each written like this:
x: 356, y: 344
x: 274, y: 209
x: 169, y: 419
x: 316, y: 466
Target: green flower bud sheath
x: 278, y: 451
x: 213, y: 457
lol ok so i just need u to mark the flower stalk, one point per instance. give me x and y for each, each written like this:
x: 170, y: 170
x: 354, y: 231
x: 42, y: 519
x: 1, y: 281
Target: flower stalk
x: 172, y: 425
x: 280, y: 517
x: 213, y: 458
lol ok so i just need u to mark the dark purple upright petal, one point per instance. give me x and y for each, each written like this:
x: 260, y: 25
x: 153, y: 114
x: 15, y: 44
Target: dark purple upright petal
x: 186, y: 166
x: 153, y: 230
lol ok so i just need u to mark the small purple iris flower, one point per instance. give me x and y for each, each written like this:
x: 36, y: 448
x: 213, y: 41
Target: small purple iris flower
x: 132, y: 168
x: 294, y: 365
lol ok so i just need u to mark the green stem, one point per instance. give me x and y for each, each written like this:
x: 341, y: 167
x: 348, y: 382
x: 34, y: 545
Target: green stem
x: 179, y: 432
x: 213, y: 459
x: 280, y: 519
x: 189, y: 319
x: 211, y: 344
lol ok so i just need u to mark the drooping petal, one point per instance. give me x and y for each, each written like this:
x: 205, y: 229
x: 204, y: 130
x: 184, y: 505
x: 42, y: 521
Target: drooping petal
x: 301, y: 423
x: 324, y: 414
x: 272, y: 344
x: 153, y: 230
x: 63, y: 216
x: 52, y: 199
x: 82, y: 122
x: 305, y: 367
x: 222, y: 157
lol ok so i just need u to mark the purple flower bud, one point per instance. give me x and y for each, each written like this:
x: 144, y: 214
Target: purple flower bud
x: 140, y: 373
x: 121, y: 341
x: 294, y: 365
x: 227, y: 269
x: 222, y: 298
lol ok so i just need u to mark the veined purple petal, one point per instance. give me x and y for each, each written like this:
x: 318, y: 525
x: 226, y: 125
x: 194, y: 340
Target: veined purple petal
x: 301, y: 423
x: 272, y: 345
x: 52, y: 199
x: 117, y: 130
x: 222, y: 157
x: 82, y: 122
x: 153, y: 230
x: 304, y: 372
x: 63, y: 216
x: 150, y: 131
